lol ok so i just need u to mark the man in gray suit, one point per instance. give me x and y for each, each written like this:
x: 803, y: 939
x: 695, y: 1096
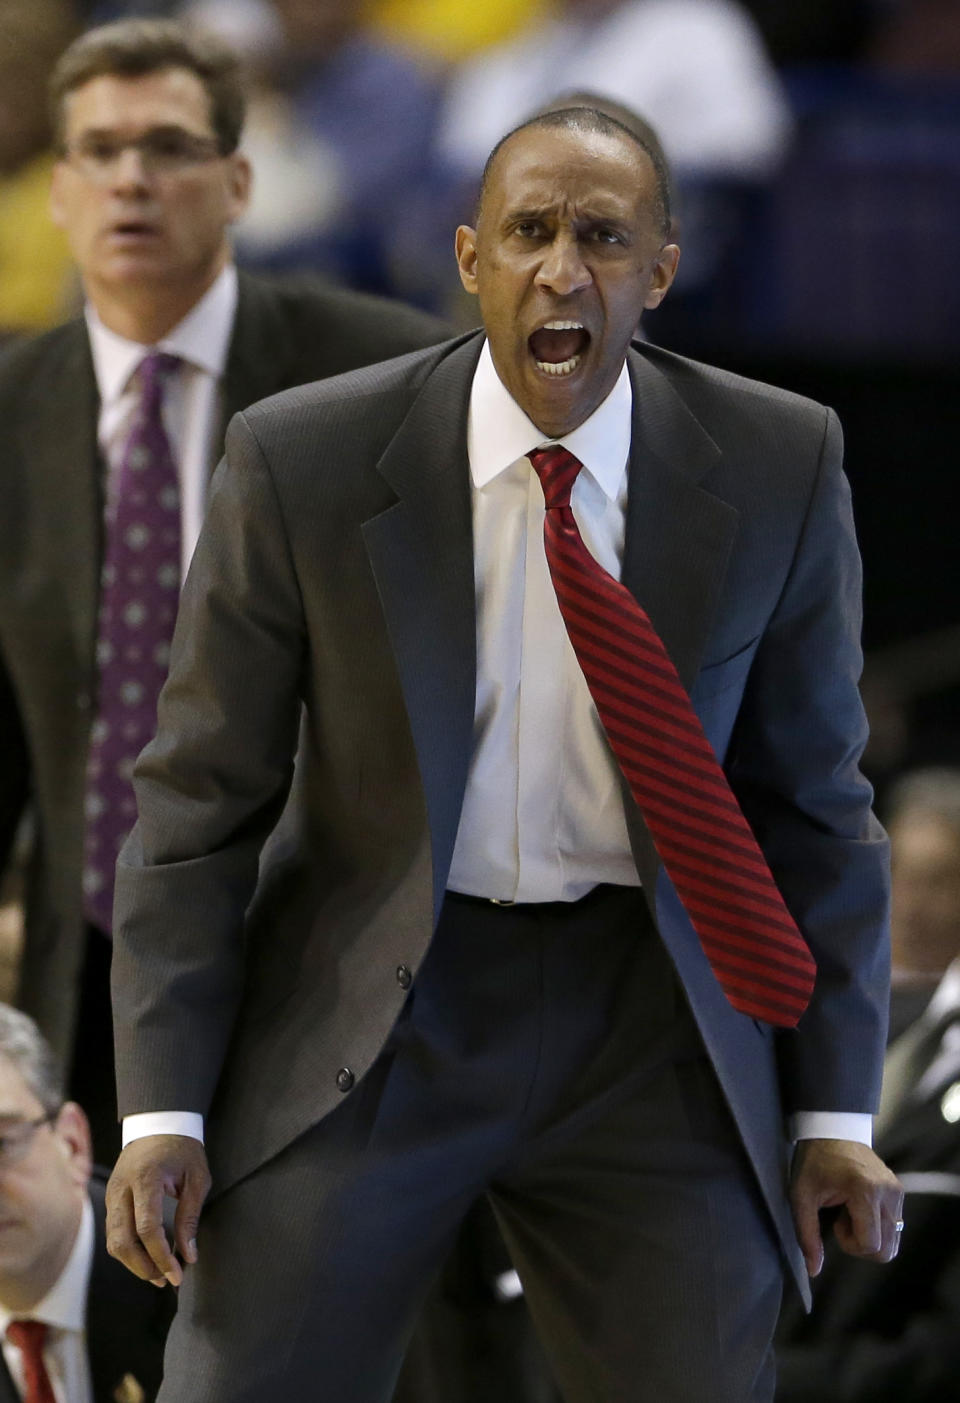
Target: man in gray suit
x: 470, y: 970
x: 148, y: 183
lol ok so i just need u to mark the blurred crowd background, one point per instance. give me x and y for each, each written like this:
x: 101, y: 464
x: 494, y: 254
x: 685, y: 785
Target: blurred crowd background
x: 815, y: 148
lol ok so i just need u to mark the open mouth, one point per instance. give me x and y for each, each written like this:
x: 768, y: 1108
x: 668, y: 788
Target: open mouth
x: 558, y: 347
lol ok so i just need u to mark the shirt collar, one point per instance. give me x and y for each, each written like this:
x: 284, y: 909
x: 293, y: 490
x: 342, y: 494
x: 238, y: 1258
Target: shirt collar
x: 202, y: 338
x: 65, y: 1304
x: 498, y: 431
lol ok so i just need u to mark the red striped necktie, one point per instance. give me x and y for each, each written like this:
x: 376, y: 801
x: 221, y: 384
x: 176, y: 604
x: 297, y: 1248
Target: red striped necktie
x: 758, y: 955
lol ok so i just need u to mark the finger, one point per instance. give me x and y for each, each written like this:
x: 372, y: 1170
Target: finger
x: 192, y: 1195
x: 123, y: 1242
x: 895, y: 1238
x: 892, y: 1229
x: 859, y: 1230
x: 807, y: 1222
x: 148, y: 1218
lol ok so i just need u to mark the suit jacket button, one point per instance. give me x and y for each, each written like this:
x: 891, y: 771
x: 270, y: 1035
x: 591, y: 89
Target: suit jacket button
x: 404, y: 977
x: 345, y: 1079
x: 84, y: 701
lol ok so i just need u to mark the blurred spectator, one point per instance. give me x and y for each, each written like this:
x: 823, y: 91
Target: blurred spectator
x: 66, y: 1308
x: 148, y: 181
x: 696, y: 69
x: 924, y: 826
x: 35, y: 266
x: 340, y: 129
x: 894, y: 1336
x: 923, y: 820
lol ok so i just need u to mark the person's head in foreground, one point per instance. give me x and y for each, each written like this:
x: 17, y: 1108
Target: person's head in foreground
x: 570, y: 247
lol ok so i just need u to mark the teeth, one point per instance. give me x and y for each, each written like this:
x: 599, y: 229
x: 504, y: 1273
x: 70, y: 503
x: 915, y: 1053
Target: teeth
x: 563, y: 367
x: 562, y: 326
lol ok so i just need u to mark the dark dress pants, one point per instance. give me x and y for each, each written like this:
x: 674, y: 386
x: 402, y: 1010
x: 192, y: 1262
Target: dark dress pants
x: 546, y: 1057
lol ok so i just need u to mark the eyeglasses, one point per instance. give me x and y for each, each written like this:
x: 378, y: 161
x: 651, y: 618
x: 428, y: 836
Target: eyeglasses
x: 164, y: 151
x: 16, y: 1137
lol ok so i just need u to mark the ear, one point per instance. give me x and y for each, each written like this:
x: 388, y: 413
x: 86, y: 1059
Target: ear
x: 72, y: 1130
x: 664, y: 272
x: 467, y: 257
x: 240, y: 178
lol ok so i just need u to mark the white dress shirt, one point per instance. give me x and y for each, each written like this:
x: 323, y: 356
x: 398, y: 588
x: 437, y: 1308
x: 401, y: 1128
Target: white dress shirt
x: 542, y: 816
x: 192, y: 405
x: 63, y: 1310
x: 533, y: 828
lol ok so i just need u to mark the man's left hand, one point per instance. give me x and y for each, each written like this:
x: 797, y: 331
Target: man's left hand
x: 844, y: 1175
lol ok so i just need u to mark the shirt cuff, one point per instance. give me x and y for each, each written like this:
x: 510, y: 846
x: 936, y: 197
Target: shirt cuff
x: 162, y: 1123
x: 831, y: 1125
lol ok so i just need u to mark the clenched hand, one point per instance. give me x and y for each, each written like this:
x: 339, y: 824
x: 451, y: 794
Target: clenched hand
x: 844, y: 1175
x: 148, y: 1171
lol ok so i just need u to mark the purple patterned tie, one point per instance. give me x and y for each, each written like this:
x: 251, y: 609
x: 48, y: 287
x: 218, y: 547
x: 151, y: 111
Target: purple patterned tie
x: 138, y: 606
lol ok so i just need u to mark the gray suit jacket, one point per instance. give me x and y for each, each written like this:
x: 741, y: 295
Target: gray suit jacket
x: 50, y: 544
x: 336, y: 566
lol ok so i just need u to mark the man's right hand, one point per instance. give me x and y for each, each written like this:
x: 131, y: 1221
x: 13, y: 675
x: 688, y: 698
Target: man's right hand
x: 149, y: 1170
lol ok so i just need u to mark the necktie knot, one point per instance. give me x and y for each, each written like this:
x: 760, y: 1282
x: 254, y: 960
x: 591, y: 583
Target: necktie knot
x: 557, y: 470
x: 152, y: 373
x: 30, y: 1336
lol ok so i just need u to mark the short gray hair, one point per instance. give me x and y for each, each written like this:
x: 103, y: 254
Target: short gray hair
x: 25, y: 1047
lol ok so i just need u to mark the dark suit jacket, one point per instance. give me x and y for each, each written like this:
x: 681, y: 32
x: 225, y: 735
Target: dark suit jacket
x: 336, y: 566
x: 127, y: 1322
x: 50, y: 544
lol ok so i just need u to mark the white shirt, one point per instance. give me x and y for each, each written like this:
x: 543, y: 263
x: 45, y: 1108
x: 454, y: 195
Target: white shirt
x: 531, y: 829
x: 63, y: 1311
x: 192, y: 405
x: 696, y: 69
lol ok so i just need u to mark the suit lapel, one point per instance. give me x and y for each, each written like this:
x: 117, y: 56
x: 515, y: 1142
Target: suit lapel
x: 421, y: 553
x: 678, y: 536
x: 59, y: 440
x: 678, y: 540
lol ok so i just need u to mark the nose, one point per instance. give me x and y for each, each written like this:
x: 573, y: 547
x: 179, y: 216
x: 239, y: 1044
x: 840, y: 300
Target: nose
x: 562, y: 269
x: 129, y: 170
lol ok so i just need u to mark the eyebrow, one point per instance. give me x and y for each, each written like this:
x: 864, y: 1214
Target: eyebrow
x: 515, y: 214
x: 161, y: 129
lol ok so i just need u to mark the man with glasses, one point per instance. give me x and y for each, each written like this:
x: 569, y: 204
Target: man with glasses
x: 74, y: 1326
x: 109, y: 429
